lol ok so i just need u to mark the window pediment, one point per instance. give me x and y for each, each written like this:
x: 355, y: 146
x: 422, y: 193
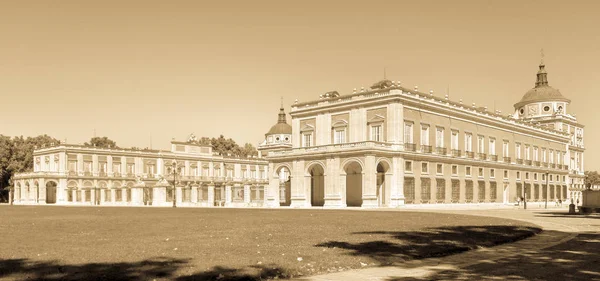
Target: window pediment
x: 340, y: 123
x: 376, y: 119
x: 307, y: 128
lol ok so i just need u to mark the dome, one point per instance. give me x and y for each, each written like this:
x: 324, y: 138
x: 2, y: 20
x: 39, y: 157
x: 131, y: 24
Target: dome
x: 282, y: 127
x: 542, y: 91
x: 541, y: 94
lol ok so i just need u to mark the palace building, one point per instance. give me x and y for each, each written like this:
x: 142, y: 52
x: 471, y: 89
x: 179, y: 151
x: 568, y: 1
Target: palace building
x: 190, y: 173
x: 386, y: 146
x: 390, y: 145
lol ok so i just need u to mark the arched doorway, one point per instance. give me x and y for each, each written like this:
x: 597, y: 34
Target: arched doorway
x: 28, y: 196
x: 18, y: 191
x: 285, y: 187
x: 51, y: 192
x: 317, y: 186
x: 383, y: 186
x: 354, y: 189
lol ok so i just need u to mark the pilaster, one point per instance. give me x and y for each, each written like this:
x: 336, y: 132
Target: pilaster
x: 369, y: 185
x: 211, y: 195
x: 228, y: 195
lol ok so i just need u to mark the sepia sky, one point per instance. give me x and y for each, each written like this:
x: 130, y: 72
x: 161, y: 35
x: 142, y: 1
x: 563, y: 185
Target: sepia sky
x: 147, y: 71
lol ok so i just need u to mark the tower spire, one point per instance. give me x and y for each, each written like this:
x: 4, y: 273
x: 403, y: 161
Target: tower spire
x: 281, y: 116
x: 542, y: 76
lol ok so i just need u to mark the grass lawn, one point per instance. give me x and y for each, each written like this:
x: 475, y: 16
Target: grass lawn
x: 112, y: 243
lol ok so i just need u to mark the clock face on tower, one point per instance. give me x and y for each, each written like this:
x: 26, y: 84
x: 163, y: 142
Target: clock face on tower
x: 532, y: 110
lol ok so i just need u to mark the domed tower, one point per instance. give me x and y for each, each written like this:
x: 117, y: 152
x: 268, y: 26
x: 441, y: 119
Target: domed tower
x: 542, y: 100
x: 279, y: 136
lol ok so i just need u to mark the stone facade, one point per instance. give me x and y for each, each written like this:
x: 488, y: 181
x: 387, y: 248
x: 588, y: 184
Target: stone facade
x: 79, y: 175
x: 383, y: 147
x: 390, y: 146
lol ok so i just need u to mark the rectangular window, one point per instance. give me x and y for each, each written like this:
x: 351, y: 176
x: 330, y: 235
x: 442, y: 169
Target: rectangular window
x: 409, y: 190
x: 518, y: 175
x: 551, y: 156
x: 527, y: 153
x: 535, y: 176
x: 505, y: 174
x: 481, y: 172
x: 87, y: 166
x: 440, y: 186
x: 526, y: 176
x: 455, y: 191
x: 518, y: 150
x: 468, y: 142
x: 306, y: 139
x: 117, y: 168
x: 454, y: 140
x: 440, y: 169
x: 469, y: 191
x: 408, y: 132
x: 505, y: 149
x: 535, y: 154
x: 424, y: 168
x: 425, y: 190
x: 102, y: 166
x: 468, y: 171
x: 492, y: 173
x: 492, y: 146
x: 339, y: 136
x: 493, y: 191
x: 408, y: 166
x: 481, y: 191
x: 439, y: 137
x: 72, y: 166
x: 130, y: 168
x: 424, y: 134
x: 454, y: 170
x: 480, y: 144
x: 376, y: 132
x: 544, y: 159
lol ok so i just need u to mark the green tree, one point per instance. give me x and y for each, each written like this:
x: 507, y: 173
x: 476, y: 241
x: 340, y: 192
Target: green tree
x: 16, y: 156
x: 102, y: 142
x: 591, y: 178
x: 249, y: 150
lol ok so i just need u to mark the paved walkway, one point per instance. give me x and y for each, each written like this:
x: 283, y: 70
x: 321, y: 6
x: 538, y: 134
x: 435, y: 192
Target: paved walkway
x: 567, y: 249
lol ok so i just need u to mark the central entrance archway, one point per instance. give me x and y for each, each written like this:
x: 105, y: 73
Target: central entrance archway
x: 354, y: 188
x: 285, y: 187
x: 51, y: 192
x: 317, y: 186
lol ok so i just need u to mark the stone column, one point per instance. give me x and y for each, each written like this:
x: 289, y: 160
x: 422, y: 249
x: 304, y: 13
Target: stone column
x: 74, y: 195
x: 178, y: 195
x: 211, y: 195
x: 228, y: 195
x: 397, y: 181
x: 102, y: 196
x: 194, y: 194
x: 342, y: 189
x: 247, y: 194
x: 369, y: 186
x: 299, y: 194
x: 93, y: 196
x: 331, y: 188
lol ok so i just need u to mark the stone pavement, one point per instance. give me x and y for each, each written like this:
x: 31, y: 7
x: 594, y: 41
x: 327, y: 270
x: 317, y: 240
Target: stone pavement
x: 567, y: 249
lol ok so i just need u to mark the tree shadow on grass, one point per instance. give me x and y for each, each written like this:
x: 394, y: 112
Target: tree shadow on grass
x: 576, y: 259
x: 397, y: 247
x: 152, y: 269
